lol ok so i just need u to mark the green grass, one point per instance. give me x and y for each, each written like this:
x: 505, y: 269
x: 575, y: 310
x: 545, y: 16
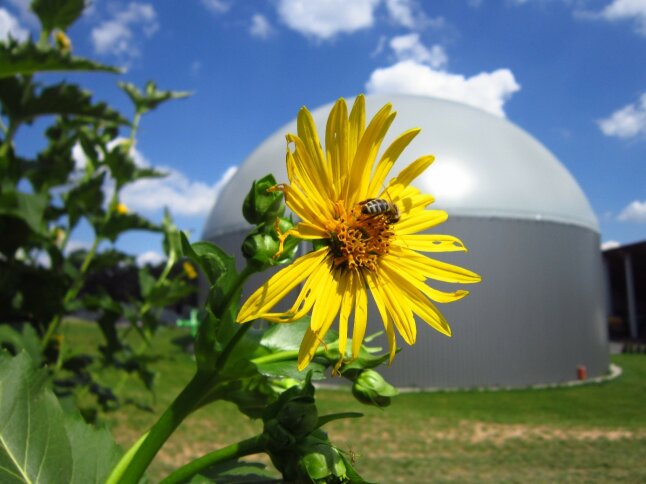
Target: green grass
x: 590, y: 433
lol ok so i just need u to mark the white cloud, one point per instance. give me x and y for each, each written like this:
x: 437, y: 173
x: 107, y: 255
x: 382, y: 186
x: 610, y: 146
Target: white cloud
x: 634, y: 212
x: 10, y: 26
x: 150, y: 257
x: 260, y: 26
x: 177, y: 192
x: 407, y: 13
x: 627, y: 10
x: 116, y: 36
x: 610, y: 244
x: 626, y: 122
x: 409, y: 47
x: 488, y: 90
x: 324, y: 19
x: 216, y: 6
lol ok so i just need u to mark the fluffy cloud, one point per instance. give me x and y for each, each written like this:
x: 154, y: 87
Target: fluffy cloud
x: 177, y: 192
x: 488, y: 90
x: 409, y: 47
x: 116, y: 36
x: 626, y: 122
x: 634, y: 212
x: 260, y: 26
x: 627, y: 10
x: 324, y: 19
x: 408, y: 13
x: 9, y: 26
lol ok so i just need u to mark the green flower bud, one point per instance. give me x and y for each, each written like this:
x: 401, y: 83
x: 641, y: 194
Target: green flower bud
x: 260, y: 249
x: 299, y: 416
x: 261, y: 205
x: 371, y: 388
x: 321, y: 463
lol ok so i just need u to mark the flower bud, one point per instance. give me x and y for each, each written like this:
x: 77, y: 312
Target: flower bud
x: 260, y: 249
x: 299, y: 415
x: 371, y: 388
x: 261, y: 205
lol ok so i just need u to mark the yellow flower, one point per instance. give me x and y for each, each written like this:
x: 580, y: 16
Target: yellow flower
x: 369, y: 235
x: 63, y: 42
x: 189, y: 270
x: 122, y: 208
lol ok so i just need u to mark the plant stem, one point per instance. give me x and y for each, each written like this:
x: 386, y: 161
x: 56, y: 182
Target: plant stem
x: 278, y: 356
x: 72, y: 292
x: 183, y: 405
x: 254, y: 445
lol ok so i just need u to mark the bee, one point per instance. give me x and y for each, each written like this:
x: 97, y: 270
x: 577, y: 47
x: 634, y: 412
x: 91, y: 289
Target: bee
x: 378, y: 206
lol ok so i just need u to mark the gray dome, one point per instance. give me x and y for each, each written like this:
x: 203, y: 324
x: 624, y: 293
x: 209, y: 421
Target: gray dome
x: 485, y: 166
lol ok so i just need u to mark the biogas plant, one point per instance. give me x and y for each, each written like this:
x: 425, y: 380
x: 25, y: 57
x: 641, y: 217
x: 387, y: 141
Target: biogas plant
x: 538, y: 316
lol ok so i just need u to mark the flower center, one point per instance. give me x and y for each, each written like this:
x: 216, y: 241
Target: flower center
x: 358, y: 239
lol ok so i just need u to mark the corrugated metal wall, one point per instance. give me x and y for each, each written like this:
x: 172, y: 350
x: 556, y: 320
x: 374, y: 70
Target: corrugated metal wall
x: 538, y: 314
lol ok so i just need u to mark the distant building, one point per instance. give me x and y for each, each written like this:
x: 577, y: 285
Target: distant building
x: 540, y: 312
x: 626, y: 273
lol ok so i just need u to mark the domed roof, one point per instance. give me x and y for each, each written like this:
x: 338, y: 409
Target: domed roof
x: 484, y: 166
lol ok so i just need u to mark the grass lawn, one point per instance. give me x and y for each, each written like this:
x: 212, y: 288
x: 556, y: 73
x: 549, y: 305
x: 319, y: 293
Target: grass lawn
x: 591, y: 433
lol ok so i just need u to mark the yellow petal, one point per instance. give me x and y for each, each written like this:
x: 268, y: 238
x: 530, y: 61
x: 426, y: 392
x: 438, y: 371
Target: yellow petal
x: 360, y: 315
x: 308, y: 134
x: 305, y: 178
x: 408, y: 174
x: 334, y: 285
x: 378, y: 297
x: 435, y: 269
x: 388, y: 160
x: 336, y: 143
x: 419, y: 221
x: 325, y: 310
x: 309, y: 231
x: 346, y: 308
x: 396, y: 305
x: 404, y: 277
x: 306, y: 298
x: 279, y: 285
x: 357, y: 183
x: 431, y: 243
x: 356, y: 126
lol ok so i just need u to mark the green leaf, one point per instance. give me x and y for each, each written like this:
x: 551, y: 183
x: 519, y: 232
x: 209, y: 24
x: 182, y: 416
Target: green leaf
x: 151, y: 97
x: 239, y: 472
x: 28, y: 58
x: 23, y: 102
x: 38, y: 442
x: 214, y: 261
x: 284, y: 337
x: 57, y: 14
x: 28, y: 207
x: 122, y: 222
x: 123, y: 167
x: 27, y: 339
x: 288, y: 369
x: 86, y: 199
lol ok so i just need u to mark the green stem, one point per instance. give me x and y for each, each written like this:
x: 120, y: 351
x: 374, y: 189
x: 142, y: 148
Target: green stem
x: 278, y: 356
x: 254, y: 445
x: 72, y: 292
x: 186, y: 401
x: 133, y: 465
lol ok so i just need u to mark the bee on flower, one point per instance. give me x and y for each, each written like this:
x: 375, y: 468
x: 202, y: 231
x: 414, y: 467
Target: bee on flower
x: 369, y: 233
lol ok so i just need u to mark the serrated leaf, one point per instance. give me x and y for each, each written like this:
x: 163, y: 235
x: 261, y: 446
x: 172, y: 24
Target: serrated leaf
x: 57, y: 14
x: 40, y: 443
x: 151, y: 98
x: 119, y: 223
x: 23, y: 102
x: 85, y: 199
x: 27, y: 58
x: 26, y: 339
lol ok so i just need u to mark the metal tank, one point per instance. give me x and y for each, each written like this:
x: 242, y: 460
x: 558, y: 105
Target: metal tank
x: 538, y: 316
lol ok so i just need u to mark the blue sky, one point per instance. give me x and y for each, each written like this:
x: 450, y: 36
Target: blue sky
x: 571, y: 73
